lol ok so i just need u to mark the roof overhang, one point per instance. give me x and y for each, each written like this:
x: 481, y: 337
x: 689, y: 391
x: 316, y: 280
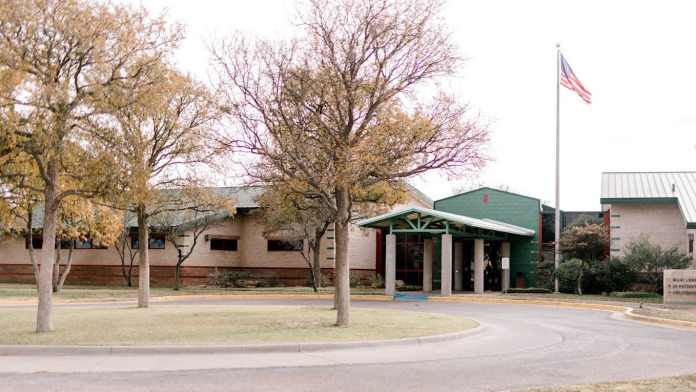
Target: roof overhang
x: 425, y: 220
x: 638, y: 200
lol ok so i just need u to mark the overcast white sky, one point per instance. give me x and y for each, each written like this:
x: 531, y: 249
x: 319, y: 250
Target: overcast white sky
x: 636, y: 57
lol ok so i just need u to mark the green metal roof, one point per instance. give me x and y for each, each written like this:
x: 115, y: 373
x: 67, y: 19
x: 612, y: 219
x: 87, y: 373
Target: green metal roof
x: 425, y: 220
x: 652, y: 187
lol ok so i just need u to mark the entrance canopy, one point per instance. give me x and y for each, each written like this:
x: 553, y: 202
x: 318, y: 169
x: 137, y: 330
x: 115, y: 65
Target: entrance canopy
x: 425, y: 220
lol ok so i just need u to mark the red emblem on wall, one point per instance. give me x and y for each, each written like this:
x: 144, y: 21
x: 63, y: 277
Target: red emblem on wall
x: 485, y: 198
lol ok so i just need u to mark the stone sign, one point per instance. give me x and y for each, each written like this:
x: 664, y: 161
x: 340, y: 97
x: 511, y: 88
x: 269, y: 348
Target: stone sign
x: 679, y: 287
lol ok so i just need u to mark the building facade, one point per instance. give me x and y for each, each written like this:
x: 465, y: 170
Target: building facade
x: 658, y: 205
x: 240, y: 243
x: 459, y: 244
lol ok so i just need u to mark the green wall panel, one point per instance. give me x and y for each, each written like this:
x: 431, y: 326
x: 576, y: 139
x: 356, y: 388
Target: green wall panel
x: 506, y: 207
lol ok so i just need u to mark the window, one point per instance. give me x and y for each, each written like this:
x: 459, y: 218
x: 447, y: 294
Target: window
x: 87, y: 244
x: 157, y: 241
x: 691, y: 243
x: 36, y: 242
x: 283, y: 245
x: 65, y: 244
x: 226, y: 244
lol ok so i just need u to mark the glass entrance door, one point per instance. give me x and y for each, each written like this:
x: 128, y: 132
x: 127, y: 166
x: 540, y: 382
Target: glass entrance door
x: 409, y: 259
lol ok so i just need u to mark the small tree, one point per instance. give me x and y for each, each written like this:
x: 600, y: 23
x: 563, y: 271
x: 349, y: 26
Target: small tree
x: 126, y: 254
x: 84, y: 221
x: 18, y: 202
x: 585, y: 242
x: 306, y: 219
x: 184, y: 227
x: 651, y: 259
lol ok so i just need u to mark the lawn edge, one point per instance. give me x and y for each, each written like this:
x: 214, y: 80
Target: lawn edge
x: 37, y: 350
x: 659, y: 320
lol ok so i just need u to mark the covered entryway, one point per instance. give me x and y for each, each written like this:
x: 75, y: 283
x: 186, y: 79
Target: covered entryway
x: 469, y: 250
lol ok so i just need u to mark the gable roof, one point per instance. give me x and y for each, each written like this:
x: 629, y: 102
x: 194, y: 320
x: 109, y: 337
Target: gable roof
x: 488, y: 189
x: 418, y: 194
x: 677, y: 186
x: 385, y: 220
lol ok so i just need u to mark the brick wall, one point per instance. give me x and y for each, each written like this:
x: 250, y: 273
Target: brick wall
x: 102, y: 266
x: 661, y: 222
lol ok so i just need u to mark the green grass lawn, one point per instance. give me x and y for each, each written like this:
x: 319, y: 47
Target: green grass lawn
x: 668, y: 384
x: 71, y: 293
x: 209, y: 324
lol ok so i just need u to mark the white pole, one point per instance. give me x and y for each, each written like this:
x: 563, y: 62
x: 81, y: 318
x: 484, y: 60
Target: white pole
x: 557, y: 239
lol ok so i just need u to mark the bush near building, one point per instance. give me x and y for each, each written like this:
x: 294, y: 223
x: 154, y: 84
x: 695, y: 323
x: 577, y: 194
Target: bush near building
x: 650, y: 259
x: 641, y: 268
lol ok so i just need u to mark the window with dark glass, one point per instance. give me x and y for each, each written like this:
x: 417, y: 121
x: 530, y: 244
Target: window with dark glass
x: 691, y: 243
x: 284, y: 245
x: 226, y: 244
x: 86, y: 244
x: 156, y: 241
x: 64, y: 244
x: 36, y: 242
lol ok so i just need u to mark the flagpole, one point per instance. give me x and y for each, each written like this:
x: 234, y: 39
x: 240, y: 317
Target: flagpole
x: 557, y: 239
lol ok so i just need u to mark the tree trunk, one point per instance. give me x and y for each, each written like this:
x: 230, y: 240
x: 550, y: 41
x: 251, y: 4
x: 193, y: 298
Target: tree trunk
x: 44, y: 322
x: 177, y: 277
x: 56, y: 265
x: 342, y: 266
x: 310, y: 265
x: 130, y: 272
x: 30, y: 245
x: 143, y: 259
x: 66, y: 271
x: 580, y: 276
x: 316, y: 259
x: 177, y: 271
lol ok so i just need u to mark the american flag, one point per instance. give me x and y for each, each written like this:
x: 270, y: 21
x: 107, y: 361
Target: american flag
x: 570, y: 81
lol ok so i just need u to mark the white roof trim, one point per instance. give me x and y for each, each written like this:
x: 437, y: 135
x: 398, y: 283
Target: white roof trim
x: 487, y: 224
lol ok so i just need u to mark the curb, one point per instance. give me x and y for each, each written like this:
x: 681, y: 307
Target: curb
x: 561, y: 304
x: 169, y: 298
x: 658, y: 320
x: 17, y: 350
x: 355, y: 297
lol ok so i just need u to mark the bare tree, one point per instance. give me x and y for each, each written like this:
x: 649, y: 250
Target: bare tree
x: 126, y: 253
x: 303, y: 219
x: 184, y: 227
x: 336, y: 112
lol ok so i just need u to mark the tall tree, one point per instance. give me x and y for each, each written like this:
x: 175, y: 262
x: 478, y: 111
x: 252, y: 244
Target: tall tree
x: 58, y: 60
x: 338, y: 109
x: 161, y: 143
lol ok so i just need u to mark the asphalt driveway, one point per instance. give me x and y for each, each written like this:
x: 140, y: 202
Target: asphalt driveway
x: 518, y: 347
